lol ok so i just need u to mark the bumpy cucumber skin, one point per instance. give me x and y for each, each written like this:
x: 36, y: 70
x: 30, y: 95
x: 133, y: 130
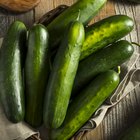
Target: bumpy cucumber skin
x: 62, y: 76
x: 85, y: 104
x: 101, y: 61
x: 87, y: 10
x: 11, y: 82
x: 105, y: 32
x: 36, y: 74
x: 132, y: 133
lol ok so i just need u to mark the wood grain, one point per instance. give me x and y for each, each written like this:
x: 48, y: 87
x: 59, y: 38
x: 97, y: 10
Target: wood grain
x: 106, y: 11
x: 6, y: 19
x: 48, y: 5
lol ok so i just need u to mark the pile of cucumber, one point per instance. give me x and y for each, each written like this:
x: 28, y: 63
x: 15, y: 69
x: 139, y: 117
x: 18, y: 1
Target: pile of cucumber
x: 62, y: 93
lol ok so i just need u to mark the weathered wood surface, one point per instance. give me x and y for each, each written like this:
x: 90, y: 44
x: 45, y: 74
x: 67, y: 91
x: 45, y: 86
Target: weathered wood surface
x: 6, y: 18
x: 123, y: 114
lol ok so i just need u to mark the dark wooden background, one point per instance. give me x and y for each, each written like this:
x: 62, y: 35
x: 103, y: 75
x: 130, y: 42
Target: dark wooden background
x: 128, y: 110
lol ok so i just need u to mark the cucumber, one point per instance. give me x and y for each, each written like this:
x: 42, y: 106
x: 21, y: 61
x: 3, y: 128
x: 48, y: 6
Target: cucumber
x: 101, y: 61
x: 85, y: 104
x: 105, y: 32
x: 87, y: 8
x: 62, y: 76
x: 36, y: 74
x: 11, y: 80
x: 132, y: 133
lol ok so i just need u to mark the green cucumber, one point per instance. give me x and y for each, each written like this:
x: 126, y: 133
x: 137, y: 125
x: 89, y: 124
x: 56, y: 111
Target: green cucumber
x: 85, y: 104
x: 87, y: 8
x: 36, y: 74
x: 101, y: 61
x: 132, y: 133
x: 62, y: 76
x: 11, y: 81
x: 105, y: 32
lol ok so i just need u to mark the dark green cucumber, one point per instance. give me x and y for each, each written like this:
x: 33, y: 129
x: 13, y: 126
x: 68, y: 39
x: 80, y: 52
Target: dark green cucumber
x: 105, y: 32
x: 132, y: 133
x: 87, y: 9
x: 62, y: 76
x: 11, y: 81
x: 36, y: 74
x: 85, y: 104
x: 101, y: 61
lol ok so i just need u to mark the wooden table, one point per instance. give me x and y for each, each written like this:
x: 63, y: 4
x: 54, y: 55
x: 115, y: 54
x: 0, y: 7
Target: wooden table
x: 123, y: 114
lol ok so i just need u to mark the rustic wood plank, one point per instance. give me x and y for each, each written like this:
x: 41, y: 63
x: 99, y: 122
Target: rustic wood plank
x: 42, y: 8
x: 6, y: 18
x: 106, y: 11
x: 48, y: 5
